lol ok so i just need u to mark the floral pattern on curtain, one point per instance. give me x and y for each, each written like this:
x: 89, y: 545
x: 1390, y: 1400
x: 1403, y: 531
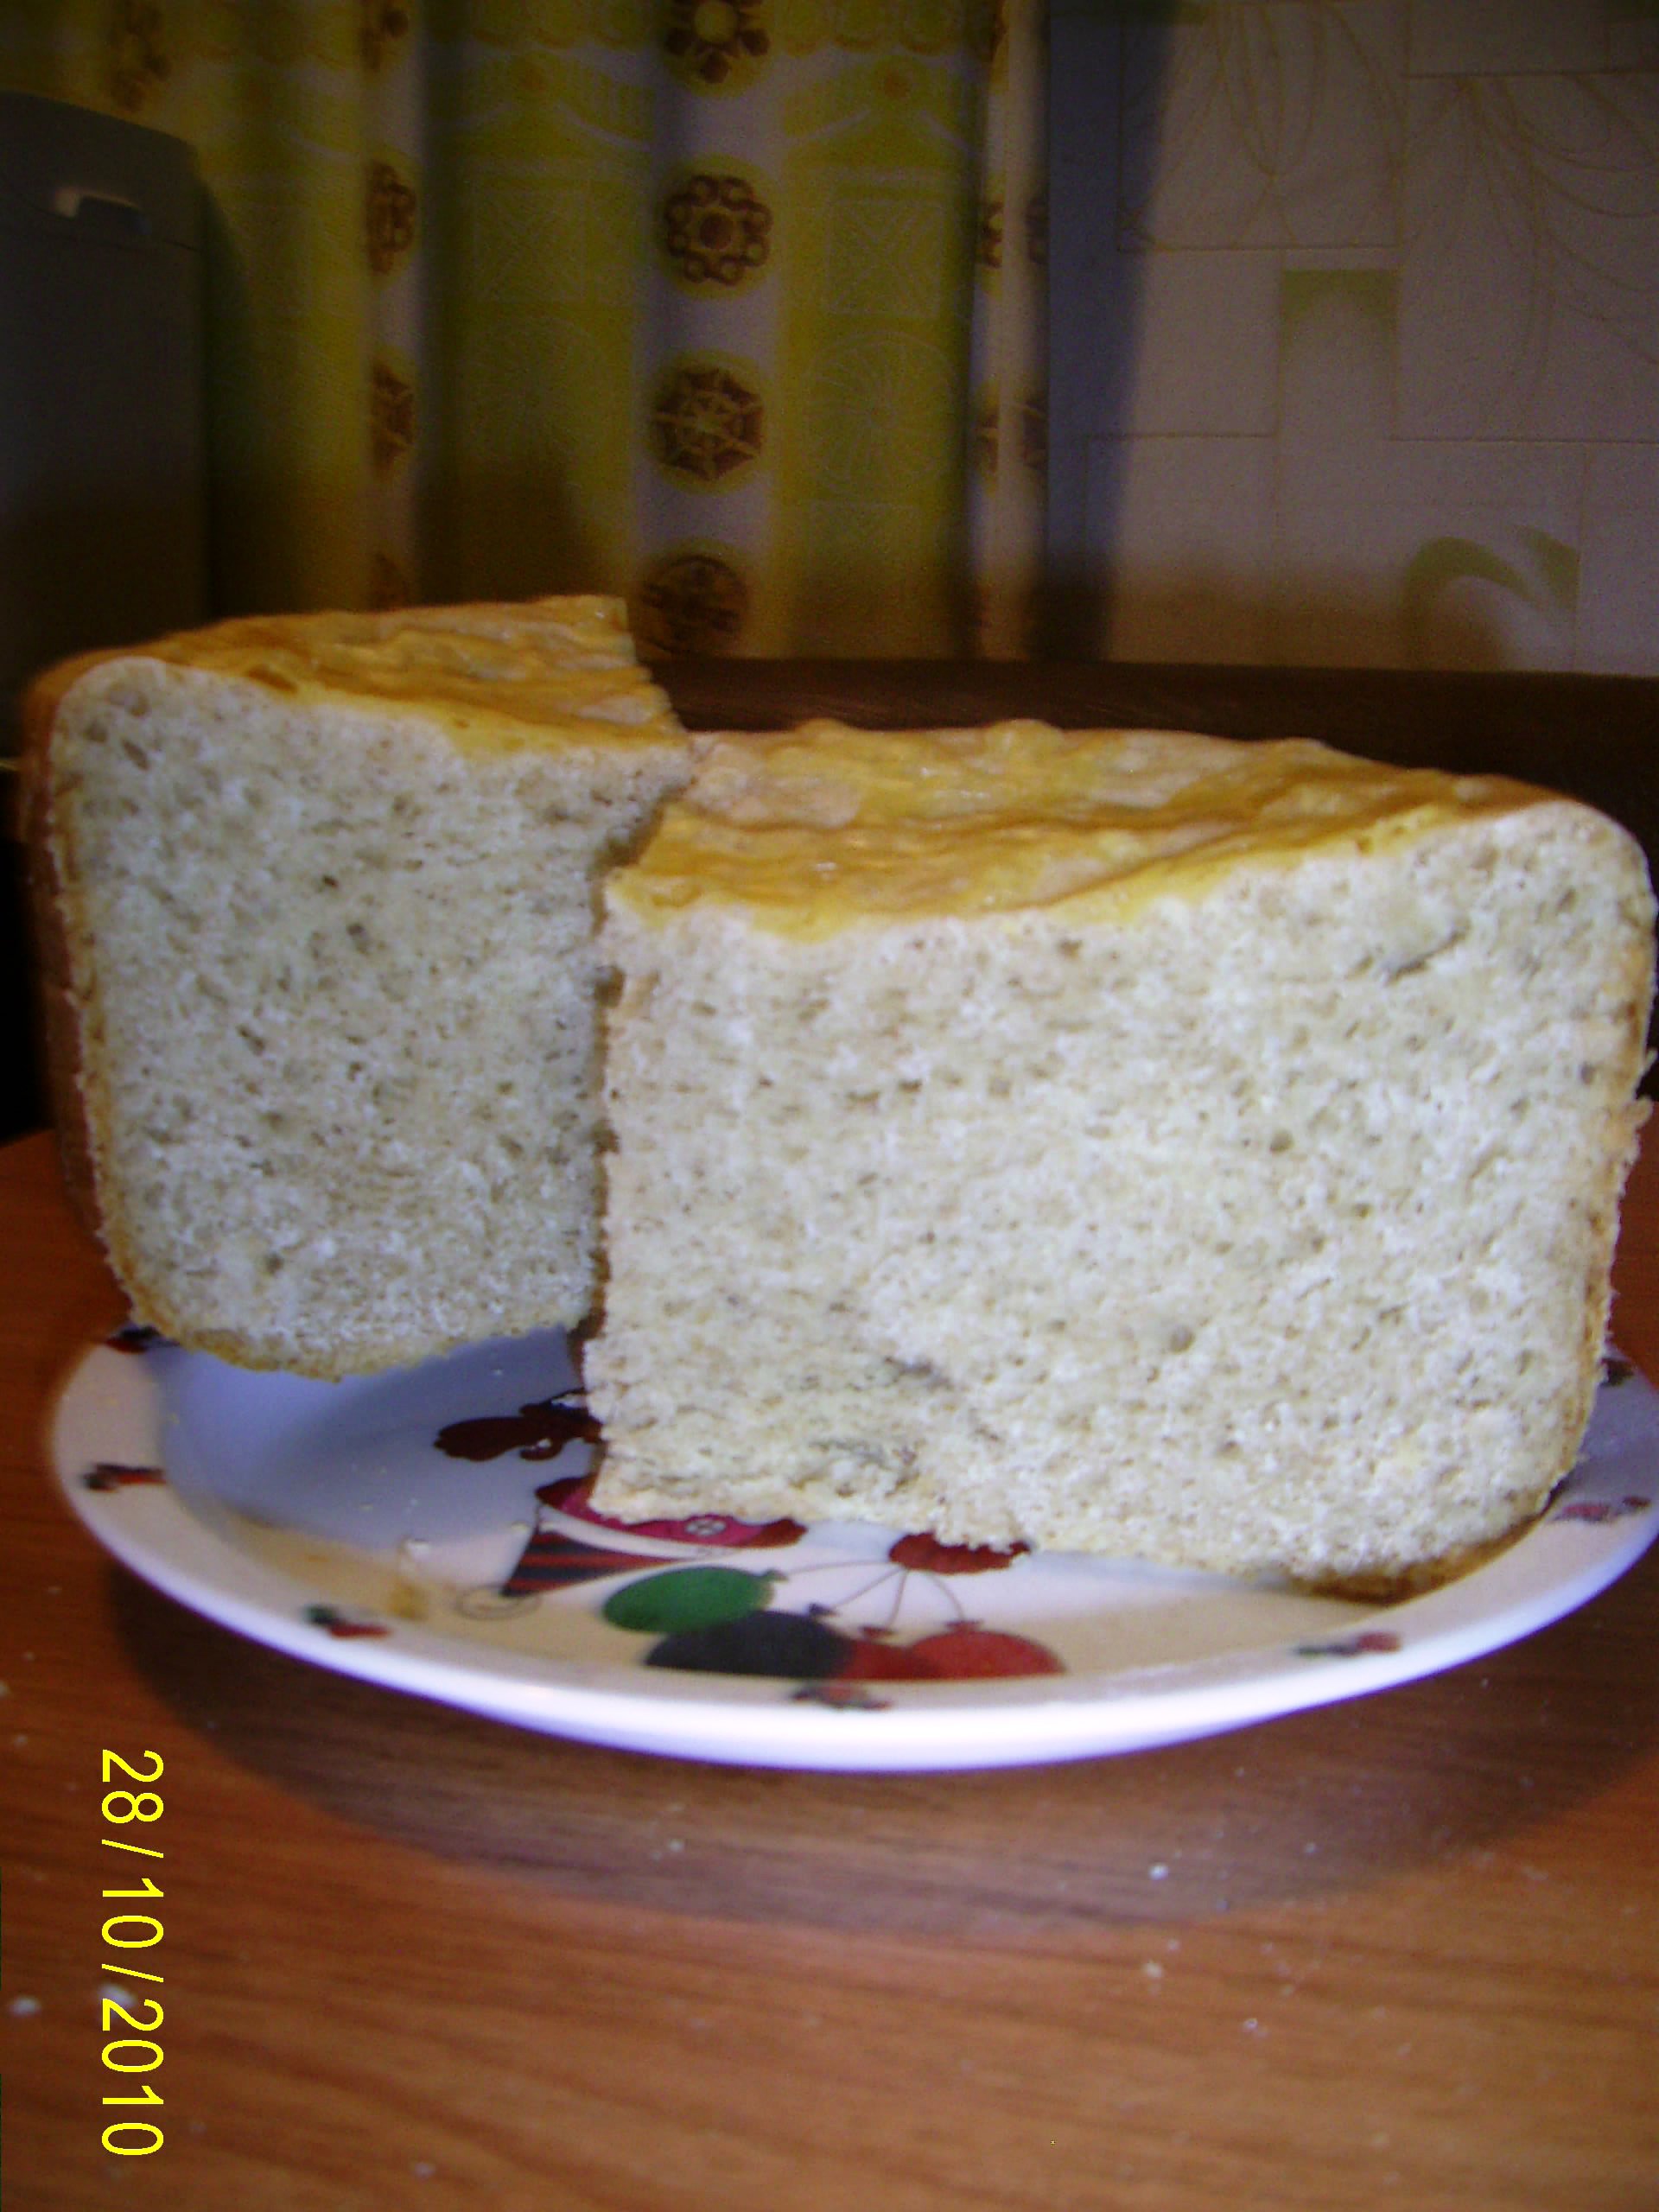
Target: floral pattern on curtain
x: 734, y: 306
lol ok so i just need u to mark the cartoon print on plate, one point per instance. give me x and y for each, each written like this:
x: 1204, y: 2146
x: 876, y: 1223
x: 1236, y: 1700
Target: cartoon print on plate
x: 340, y: 1623
x: 111, y: 1474
x: 1363, y: 1646
x: 730, y: 1620
x: 538, y: 1431
x: 1599, y: 1510
x: 136, y: 1336
x: 433, y: 1531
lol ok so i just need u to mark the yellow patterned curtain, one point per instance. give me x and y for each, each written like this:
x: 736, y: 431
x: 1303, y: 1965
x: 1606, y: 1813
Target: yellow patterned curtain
x: 734, y: 305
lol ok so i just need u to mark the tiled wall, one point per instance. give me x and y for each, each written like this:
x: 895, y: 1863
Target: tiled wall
x: 1359, y: 357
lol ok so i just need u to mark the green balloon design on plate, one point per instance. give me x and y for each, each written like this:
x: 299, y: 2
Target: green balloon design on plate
x: 688, y: 1597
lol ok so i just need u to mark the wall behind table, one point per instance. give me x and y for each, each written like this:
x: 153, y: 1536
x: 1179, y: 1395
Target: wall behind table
x: 1359, y: 358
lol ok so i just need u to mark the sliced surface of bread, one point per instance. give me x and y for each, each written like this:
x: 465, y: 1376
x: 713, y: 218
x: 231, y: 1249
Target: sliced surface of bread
x: 317, y: 897
x: 1123, y: 1142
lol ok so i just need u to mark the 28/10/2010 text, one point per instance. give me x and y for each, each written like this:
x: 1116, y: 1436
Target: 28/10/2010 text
x: 137, y: 2053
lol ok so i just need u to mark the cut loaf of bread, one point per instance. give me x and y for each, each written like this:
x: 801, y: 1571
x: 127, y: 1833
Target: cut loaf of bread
x: 317, y: 897
x: 1128, y: 1142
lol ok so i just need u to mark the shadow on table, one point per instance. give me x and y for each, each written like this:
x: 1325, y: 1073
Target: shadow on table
x: 1313, y: 1805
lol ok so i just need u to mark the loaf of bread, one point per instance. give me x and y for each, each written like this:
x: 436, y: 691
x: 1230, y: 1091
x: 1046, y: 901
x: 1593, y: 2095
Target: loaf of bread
x: 1132, y: 1143
x: 317, y: 897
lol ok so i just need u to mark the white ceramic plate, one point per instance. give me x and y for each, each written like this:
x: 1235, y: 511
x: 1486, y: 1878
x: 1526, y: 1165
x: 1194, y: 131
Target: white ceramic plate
x: 428, y: 1530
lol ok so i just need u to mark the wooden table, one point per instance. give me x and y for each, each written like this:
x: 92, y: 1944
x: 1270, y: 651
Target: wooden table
x: 1398, y: 1952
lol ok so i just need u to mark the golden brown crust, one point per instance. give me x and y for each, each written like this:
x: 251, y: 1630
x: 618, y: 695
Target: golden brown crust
x: 491, y: 676
x: 1381, y: 1587
x: 57, y: 1014
x: 810, y: 832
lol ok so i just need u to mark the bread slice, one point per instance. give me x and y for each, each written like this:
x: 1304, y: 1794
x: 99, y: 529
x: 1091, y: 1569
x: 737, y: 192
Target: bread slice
x: 1125, y: 1142
x: 318, y: 896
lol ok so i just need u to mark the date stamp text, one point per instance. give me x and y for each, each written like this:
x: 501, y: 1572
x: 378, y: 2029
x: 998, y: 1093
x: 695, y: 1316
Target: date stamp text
x: 135, y: 2055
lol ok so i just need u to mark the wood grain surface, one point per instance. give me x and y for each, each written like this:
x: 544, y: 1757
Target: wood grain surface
x: 1402, y: 1952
